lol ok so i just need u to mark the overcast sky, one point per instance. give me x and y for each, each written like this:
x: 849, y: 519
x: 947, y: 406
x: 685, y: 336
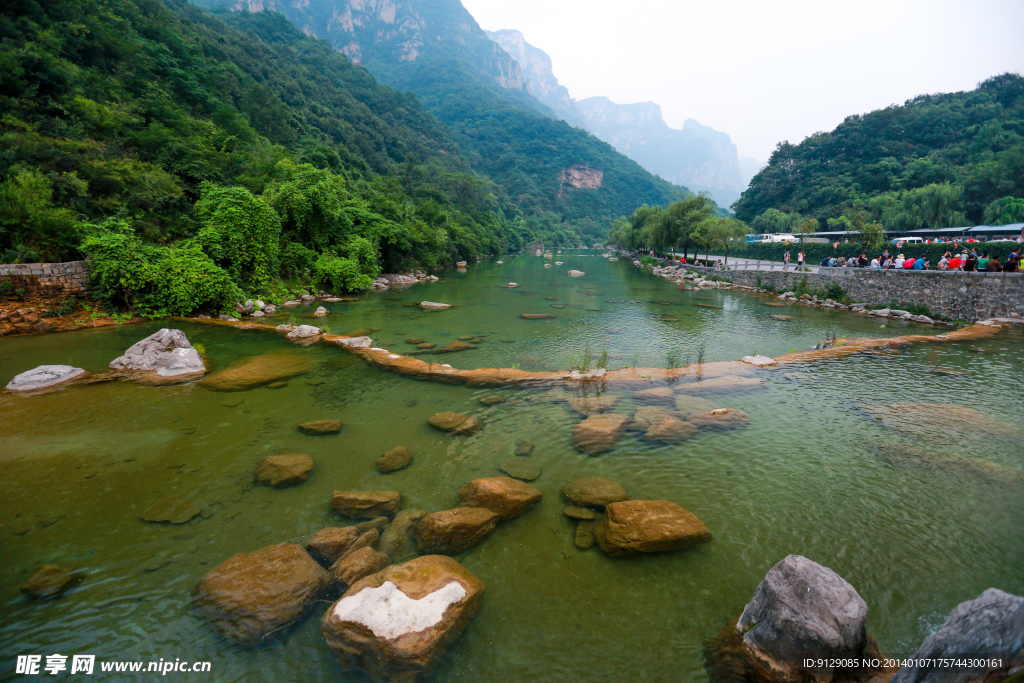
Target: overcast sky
x: 765, y: 71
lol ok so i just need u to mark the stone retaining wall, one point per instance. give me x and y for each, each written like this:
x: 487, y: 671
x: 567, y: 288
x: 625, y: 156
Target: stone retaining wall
x: 955, y: 295
x: 44, y: 279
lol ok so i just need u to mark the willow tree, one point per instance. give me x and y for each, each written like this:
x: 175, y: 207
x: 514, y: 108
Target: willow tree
x: 680, y: 219
x: 719, y: 233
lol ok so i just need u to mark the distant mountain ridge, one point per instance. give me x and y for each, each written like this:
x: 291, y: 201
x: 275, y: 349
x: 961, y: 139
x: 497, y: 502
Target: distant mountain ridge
x: 697, y: 157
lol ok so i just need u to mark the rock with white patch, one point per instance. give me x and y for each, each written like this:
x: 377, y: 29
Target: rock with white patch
x: 43, y: 377
x: 167, y: 354
x: 759, y: 361
x: 355, y: 342
x: 304, y: 332
x: 396, y: 624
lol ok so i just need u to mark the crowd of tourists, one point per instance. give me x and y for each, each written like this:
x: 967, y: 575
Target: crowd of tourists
x: 969, y: 260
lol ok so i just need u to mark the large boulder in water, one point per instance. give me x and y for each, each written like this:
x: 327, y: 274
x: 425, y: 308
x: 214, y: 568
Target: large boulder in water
x: 43, y: 377
x: 648, y: 526
x: 599, y: 433
x: 304, y: 333
x: 252, y: 595
x: 280, y: 471
x: 452, y: 531
x: 803, y: 611
x: 256, y: 371
x: 167, y: 354
x: 397, y: 623
x: 990, y: 627
x: 503, y: 496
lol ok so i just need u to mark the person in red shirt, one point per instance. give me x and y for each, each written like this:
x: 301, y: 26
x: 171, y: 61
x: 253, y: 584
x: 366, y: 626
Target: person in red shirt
x: 955, y: 262
x: 909, y: 263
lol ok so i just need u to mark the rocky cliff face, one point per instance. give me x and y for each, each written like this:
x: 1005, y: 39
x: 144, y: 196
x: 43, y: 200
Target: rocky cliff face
x: 379, y: 33
x: 538, y: 75
x: 698, y: 156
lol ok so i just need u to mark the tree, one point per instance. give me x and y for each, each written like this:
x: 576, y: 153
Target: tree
x: 715, y: 233
x: 240, y: 232
x: 310, y: 202
x: 1005, y: 211
x: 773, y: 220
x: 808, y: 227
x: 680, y: 220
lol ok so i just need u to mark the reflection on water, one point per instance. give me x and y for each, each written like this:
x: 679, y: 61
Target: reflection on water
x: 917, y: 510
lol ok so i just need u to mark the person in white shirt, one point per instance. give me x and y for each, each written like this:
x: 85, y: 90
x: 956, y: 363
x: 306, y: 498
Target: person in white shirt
x: 874, y: 263
x: 899, y: 261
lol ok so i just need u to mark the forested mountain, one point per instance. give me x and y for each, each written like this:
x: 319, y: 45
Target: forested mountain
x: 935, y: 161
x: 555, y: 173
x: 196, y: 159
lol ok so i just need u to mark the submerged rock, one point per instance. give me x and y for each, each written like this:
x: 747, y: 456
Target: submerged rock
x: 166, y: 353
x: 454, y: 346
x: 250, y: 596
x: 647, y: 416
x: 43, y: 377
x: 357, y: 564
x: 171, y: 509
x: 397, y: 623
x: 594, y: 492
x: 327, y: 545
x: 594, y: 405
x: 492, y: 400
x: 920, y: 420
x: 803, y: 611
x: 670, y: 430
x: 720, y: 418
x: 320, y: 427
x: 434, y: 306
x: 520, y: 468
x: 256, y: 371
x: 366, y: 503
x: 988, y: 628
x: 49, y: 581
x: 523, y: 447
x: 363, y: 342
x: 648, y: 526
x: 599, y: 433
x: 584, y: 539
x: 399, y: 538
x: 395, y: 459
x: 725, y: 384
x: 660, y: 395
x: 578, y: 513
x: 451, y: 531
x: 538, y: 316
x: 693, y: 405
x: 280, y: 471
x: 503, y: 496
x: 454, y: 423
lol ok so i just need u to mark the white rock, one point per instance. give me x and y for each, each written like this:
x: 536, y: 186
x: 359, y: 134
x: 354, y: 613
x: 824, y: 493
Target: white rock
x: 576, y: 273
x: 320, y: 311
x: 355, y: 342
x: 304, y: 332
x: 498, y: 263
x: 43, y: 376
x: 434, y: 306
x: 390, y: 613
x: 167, y: 352
x: 512, y: 284
x: 759, y: 361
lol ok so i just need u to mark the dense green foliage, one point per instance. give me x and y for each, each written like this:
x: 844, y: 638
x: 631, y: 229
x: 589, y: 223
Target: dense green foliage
x: 689, y: 222
x: 231, y: 150
x: 937, y: 161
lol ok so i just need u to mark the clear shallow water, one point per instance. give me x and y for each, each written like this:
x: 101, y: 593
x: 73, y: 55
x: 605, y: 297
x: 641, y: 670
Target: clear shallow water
x: 917, y: 523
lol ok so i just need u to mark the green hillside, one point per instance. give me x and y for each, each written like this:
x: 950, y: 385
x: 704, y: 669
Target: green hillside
x: 936, y: 161
x: 171, y: 146
x: 435, y: 49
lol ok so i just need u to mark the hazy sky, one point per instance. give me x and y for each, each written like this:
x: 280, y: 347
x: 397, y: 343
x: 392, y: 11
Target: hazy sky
x: 766, y: 71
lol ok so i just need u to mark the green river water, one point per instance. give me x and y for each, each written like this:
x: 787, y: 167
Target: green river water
x: 917, y: 518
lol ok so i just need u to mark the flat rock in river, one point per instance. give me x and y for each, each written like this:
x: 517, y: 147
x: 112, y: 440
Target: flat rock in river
x: 594, y: 405
x: 280, y: 471
x: 395, y: 459
x: 594, y: 492
x: 648, y: 526
x: 356, y: 565
x: 670, y: 430
x: 320, y: 427
x: 171, y: 509
x: 256, y: 371
x: 659, y: 395
x: 366, y: 503
x: 250, y: 596
x: 599, y: 433
x: 646, y: 416
x: 396, y: 624
x: 43, y: 377
x: 504, y: 496
x: 725, y: 384
x: 720, y: 418
x: 454, y: 423
x: 49, y: 581
x: 327, y: 545
x: 520, y: 468
x: 452, y: 531
x: 693, y: 405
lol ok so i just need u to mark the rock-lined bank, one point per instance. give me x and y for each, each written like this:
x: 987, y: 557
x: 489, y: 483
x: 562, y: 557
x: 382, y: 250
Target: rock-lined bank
x: 961, y: 296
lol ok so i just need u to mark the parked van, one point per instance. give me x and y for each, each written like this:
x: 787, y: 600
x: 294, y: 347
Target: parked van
x: 782, y: 237
x: 908, y: 240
